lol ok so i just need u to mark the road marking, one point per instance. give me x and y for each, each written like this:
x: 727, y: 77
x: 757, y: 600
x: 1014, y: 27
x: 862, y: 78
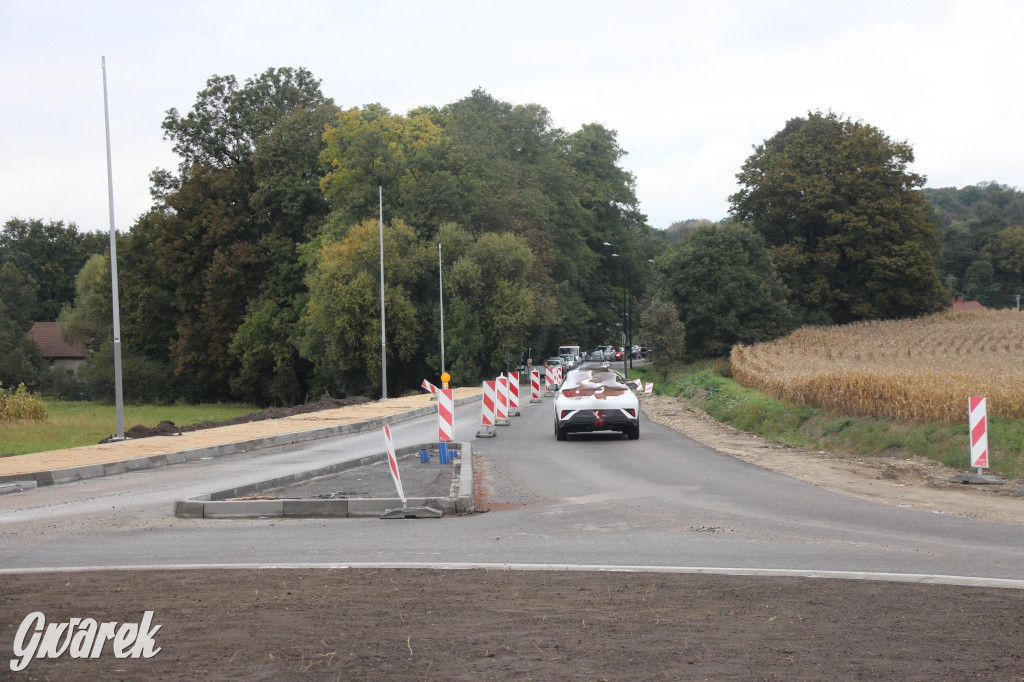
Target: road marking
x: 918, y: 578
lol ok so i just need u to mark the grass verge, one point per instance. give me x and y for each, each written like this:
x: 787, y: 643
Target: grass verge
x: 73, y: 423
x: 708, y: 387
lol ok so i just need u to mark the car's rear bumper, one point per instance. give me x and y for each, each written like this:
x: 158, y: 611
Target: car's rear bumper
x: 604, y: 419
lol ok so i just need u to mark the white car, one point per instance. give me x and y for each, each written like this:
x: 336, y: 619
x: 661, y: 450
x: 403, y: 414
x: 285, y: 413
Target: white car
x: 595, y: 398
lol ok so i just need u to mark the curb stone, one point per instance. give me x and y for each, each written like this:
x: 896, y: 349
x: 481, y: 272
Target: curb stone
x: 219, y: 505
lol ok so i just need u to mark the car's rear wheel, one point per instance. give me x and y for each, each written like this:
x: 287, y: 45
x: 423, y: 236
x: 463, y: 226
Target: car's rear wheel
x: 560, y: 433
x: 633, y: 432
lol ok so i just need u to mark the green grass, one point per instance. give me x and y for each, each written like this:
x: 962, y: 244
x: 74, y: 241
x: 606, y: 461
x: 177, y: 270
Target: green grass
x: 708, y: 387
x: 73, y: 423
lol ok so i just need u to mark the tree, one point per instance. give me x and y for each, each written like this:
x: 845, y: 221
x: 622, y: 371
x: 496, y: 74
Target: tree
x: 726, y: 288
x: 90, y: 320
x: 49, y: 254
x: 20, y: 361
x: 340, y: 326
x: 369, y: 148
x: 221, y: 243
x: 18, y: 295
x: 494, y: 303
x: 226, y: 121
x: 844, y: 219
x: 661, y: 327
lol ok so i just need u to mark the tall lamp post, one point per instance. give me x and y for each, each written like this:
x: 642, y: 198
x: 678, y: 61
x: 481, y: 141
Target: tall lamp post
x: 627, y: 317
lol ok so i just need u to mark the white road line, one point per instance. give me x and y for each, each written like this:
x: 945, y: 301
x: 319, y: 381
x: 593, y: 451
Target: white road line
x: 924, y: 579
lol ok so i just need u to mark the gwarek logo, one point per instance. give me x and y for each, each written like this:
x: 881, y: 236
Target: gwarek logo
x: 82, y: 638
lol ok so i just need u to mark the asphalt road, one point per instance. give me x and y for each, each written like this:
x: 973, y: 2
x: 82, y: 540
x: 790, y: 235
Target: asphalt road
x: 661, y: 501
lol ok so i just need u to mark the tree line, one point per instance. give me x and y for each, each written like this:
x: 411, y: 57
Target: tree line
x: 983, y: 237
x: 255, y: 275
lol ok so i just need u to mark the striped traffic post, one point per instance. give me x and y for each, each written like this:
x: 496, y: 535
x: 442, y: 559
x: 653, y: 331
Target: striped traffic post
x: 501, y: 405
x: 979, y: 432
x: 487, y: 405
x: 549, y: 381
x: 445, y: 415
x: 535, y: 386
x: 389, y: 445
x: 513, y: 394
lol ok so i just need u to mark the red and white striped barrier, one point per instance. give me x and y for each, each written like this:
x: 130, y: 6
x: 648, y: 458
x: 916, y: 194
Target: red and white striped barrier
x: 487, y: 407
x: 558, y: 376
x: 535, y: 386
x: 389, y: 445
x: 549, y: 381
x: 648, y: 389
x: 513, y: 394
x: 501, y: 405
x: 445, y: 415
x: 427, y: 386
x: 979, y: 432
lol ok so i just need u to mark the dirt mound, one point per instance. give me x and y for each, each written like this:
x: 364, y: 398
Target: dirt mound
x: 168, y: 428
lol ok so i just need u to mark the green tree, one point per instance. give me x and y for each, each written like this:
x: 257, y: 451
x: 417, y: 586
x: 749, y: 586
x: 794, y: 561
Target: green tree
x: 494, y: 303
x: 50, y: 254
x: 725, y: 286
x: 1006, y: 252
x: 340, y: 326
x: 844, y: 219
x: 226, y: 120
x: 661, y: 327
x: 221, y: 242
x: 407, y: 156
x: 18, y: 295
x: 90, y: 320
x: 20, y: 361
x: 270, y: 369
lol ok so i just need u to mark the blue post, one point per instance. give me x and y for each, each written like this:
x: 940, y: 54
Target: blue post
x: 442, y: 452
x: 424, y: 456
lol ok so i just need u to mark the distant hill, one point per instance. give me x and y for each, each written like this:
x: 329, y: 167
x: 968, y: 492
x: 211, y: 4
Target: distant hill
x: 981, y: 202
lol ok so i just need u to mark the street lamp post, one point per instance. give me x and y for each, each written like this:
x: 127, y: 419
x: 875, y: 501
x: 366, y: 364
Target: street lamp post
x: 627, y: 317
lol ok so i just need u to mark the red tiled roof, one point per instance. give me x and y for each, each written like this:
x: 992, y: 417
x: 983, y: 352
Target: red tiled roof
x: 967, y: 305
x: 47, y: 337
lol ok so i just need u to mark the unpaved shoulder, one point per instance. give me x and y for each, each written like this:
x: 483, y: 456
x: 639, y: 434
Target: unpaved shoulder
x: 917, y: 483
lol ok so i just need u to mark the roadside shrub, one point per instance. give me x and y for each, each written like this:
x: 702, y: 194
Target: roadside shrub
x: 18, y: 405
x: 64, y: 385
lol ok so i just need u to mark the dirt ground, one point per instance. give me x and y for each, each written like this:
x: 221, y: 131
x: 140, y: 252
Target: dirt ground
x: 410, y: 624
x: 406, y: 624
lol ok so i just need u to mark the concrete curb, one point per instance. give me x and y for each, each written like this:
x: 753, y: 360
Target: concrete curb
x: 219, y: 505
x: 81, y: 473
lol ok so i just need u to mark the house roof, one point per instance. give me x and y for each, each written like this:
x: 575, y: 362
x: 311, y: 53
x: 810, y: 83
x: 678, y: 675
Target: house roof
x: 47, y: 337
x: 960, y: 304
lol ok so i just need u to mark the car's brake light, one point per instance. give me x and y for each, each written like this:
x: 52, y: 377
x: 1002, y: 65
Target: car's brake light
x: 631, y: 412
x: 566, y: 413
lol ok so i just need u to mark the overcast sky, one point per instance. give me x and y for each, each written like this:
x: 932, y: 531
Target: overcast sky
x: 690, y: 87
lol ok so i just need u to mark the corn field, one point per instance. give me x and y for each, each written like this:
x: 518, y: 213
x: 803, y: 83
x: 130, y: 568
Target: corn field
x: 910, y: 370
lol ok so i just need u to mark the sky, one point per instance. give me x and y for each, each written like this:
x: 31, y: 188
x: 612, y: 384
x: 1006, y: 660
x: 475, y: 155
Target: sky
x: 690, y: 87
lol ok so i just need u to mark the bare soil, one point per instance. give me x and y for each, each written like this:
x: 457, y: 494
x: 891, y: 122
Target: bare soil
x: 405, y: 624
